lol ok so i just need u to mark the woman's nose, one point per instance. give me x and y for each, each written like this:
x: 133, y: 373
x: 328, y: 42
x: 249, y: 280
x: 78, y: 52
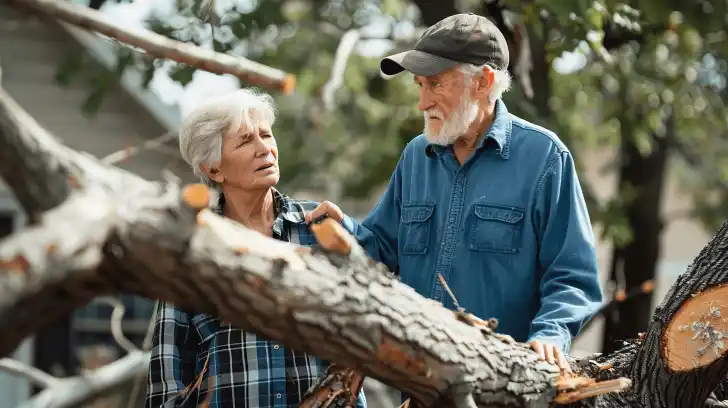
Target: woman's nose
x: 262, y: 147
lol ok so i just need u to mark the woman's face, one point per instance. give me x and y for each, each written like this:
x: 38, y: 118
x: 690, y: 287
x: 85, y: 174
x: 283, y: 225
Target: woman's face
x: 249, y: 159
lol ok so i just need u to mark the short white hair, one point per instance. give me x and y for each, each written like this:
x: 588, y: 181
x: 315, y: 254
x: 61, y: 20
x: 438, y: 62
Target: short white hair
x: 501, y: 79
x: 202, y: 131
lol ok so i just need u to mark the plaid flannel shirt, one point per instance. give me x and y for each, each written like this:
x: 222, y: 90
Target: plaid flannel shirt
x: 245, y: 370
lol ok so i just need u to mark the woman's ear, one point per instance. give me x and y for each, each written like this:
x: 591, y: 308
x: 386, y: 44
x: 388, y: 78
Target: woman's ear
x: 212, y: 173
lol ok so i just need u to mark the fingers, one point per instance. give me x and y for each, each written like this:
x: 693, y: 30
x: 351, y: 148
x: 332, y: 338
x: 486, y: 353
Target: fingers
x: 549, y: 351
x: 551, y: 354
x: 538, y: 348
x: 325, y: 208
x: 561, y: 360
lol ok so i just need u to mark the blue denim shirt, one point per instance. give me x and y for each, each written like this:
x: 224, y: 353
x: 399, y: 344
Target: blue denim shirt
x: 508, y: 230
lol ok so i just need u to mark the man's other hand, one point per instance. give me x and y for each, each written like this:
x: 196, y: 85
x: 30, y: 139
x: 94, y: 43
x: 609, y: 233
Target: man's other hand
x: 552, y: 354
x: 325, y: 208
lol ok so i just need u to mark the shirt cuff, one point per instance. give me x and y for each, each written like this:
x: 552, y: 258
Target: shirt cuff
x: 349, y: 224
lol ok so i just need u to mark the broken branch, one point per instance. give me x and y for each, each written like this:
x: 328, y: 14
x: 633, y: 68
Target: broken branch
x: 81, y: 390
x: 37, y: 177
x: 162, y: 47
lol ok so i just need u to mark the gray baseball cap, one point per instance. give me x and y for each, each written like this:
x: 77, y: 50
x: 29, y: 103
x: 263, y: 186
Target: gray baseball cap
x: 461, y: 38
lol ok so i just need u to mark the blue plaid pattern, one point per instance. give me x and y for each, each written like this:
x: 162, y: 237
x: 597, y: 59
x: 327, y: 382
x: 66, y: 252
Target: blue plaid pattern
x: 243, y: 370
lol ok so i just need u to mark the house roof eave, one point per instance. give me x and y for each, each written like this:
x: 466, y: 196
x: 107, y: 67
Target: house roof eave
x: 103, y: 51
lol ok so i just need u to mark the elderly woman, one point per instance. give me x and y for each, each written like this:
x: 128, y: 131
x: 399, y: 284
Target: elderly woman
x: 229, y: 143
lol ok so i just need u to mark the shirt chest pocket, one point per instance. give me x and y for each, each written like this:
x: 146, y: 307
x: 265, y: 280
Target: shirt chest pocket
x: 211, y: 332
x: 416, y: 222
x: 496, y: 228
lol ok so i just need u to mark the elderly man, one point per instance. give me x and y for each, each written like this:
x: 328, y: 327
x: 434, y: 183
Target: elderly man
x: 229, y: 144
x: 483, y: 198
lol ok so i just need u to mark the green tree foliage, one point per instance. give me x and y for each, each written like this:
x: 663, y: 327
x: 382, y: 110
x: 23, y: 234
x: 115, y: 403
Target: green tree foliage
x: 650, y: 89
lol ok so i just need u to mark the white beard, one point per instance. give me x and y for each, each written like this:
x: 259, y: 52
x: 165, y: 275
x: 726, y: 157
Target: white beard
x: 456, y: 126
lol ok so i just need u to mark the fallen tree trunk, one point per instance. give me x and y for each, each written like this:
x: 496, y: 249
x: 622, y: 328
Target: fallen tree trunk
x: 160, y: 46
x: 117, y: 233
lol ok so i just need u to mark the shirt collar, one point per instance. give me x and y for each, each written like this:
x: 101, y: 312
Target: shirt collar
x: 499, y: 132
x: 284, y: 208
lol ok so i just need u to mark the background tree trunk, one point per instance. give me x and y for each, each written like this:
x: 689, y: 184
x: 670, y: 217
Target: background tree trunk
x: 636, y: 262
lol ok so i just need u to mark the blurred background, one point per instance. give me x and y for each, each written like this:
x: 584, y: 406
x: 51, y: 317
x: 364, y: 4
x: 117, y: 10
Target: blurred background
x: 636, y: 89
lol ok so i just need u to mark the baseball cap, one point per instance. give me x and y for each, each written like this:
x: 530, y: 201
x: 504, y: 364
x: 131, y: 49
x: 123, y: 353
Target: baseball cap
x: 460, y: 38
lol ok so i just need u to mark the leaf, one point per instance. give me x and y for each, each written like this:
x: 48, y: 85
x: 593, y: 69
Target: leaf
x: 182, y: 73
x: 69, y: 68
x: 392, y: 8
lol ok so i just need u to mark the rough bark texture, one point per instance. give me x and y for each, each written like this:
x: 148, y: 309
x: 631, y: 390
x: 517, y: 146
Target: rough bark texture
x: 654, y: 384
x: 162, y: 47
x: 44, y: 182
x: 118, y: 233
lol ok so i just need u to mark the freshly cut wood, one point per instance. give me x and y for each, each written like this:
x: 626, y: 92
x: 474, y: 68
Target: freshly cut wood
x: 117, y: 233
x: 160, y: 46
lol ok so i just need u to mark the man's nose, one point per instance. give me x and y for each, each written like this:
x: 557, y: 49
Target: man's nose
x: 426, y: 101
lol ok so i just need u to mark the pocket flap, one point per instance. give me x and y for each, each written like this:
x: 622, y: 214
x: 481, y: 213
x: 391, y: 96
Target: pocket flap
x: 417, y: 211
x: 207, y: 327
x: 493, y: 212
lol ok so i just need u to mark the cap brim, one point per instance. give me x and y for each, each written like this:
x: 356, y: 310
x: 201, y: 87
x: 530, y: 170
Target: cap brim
x: 417, y: 62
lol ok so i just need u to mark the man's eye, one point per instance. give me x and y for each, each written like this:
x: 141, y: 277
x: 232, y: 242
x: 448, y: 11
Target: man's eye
x: 435, y: 84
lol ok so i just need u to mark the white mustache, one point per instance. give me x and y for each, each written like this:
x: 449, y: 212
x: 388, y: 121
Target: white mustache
x: 435, y: 114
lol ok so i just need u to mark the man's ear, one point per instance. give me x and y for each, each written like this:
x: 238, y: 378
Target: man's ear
x: 213, y: 173
x: 485, y: 82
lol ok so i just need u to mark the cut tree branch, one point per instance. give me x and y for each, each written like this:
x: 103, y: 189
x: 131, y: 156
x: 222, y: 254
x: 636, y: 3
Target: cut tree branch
x: 79, y: 391
x: 117, y: 233
x: 43, y: 183
x: 162, y: 47
x: 343, y: 52
x: 36, y: 376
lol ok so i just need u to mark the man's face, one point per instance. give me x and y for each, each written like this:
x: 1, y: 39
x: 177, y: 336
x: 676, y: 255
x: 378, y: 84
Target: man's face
x: 249, y: 159
x: 447, y: 105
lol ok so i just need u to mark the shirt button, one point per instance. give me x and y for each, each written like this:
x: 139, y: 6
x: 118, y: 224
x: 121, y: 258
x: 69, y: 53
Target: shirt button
x: 276, y: 347
x: 279, y: 395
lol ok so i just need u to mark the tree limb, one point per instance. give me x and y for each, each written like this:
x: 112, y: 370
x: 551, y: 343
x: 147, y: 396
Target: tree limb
x: 36, y: 376
x: 163, y: 47
x: 81, y: 390
x: 43, y: 182
x: 122, y: 234
x: 144, y: 238
x: 343, y: 52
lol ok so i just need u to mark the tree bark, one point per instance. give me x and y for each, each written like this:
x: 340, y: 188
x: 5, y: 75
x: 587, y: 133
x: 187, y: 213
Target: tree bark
x: 44, y: 182
x: 656, y: 382
x: 117, y: 233
x: 162, y: 47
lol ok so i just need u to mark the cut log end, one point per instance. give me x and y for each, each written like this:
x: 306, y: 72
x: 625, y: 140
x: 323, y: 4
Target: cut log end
x: 196, y: 196
x: 332, y: 236
x: 698, y: 333
x: 289, y: 84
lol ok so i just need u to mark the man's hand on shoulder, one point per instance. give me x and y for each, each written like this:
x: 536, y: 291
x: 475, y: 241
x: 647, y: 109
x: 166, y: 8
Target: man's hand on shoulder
x: 551, y: 354
x: 326, y: 208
